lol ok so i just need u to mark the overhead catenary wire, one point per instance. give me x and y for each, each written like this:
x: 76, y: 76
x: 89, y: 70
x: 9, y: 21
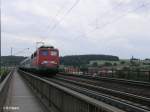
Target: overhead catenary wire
x: 57, y: 14
x: 52, y: 21
x: 18, y: 52
x: 68, y: 11
x: 105, y: 24
x: 108, y: 11
x: 118, y: 18
x: 114, y: 20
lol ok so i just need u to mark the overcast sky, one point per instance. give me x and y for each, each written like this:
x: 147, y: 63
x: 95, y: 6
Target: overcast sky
x: 114, y: 27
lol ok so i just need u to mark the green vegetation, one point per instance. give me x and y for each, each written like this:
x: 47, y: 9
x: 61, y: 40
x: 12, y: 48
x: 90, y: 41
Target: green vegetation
x: 94, y: 64
x: 104, y: 62
x: 121, y: 64
x: 75, y: 60
x: 11, y: 60
x: 81, y: 60
x: 3, y: 73
x: 132, y: 74
x: 107, y: 64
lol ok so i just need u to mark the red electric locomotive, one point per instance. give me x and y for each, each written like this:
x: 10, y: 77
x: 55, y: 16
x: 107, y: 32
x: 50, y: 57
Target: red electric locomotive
x: 45, y: 61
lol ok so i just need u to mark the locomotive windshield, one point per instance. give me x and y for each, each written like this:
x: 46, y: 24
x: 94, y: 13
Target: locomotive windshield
x: 53, y: 53
x: 44, y: 52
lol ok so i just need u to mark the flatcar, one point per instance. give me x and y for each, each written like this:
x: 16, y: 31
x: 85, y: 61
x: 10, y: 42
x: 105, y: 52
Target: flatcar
x: 44, y: 61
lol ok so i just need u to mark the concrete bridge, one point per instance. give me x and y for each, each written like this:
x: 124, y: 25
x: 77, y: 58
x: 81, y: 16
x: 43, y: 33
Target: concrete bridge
x: 23, y: 92
x: 20, y: 92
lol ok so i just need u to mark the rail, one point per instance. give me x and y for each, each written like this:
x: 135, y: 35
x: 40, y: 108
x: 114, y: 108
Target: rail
x: 109, y: 79
x: 137, y: 97
x: 61, y: 99
x: 137, y: 75
x: 118, y: 100
x: 4, y: 87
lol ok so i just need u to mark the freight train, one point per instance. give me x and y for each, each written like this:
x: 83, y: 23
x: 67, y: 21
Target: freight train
x: 44, y: 61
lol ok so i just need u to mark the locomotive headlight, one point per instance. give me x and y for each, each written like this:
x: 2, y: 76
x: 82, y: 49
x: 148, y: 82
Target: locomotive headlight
x: 44, y: 62
x: 53, y: 62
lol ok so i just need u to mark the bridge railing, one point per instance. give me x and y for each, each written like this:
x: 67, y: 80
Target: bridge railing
x: 60, y: 99
x: 4, y: 87
x: 139, y: 75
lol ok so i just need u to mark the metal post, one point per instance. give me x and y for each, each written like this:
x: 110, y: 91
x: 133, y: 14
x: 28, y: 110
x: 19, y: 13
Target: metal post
x: 37, y: 43
x: 112, y: 72
x: 128, y: 74
x: 149, y: 76
x: 138, y: 74
x: 11, y: 51
x: 0, y: 42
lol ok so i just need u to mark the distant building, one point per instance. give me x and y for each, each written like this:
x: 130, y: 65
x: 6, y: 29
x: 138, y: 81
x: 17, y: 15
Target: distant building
x: 146, y: 61
x: 72, y: 70
x: 101, y: 71
x: 134, y: 59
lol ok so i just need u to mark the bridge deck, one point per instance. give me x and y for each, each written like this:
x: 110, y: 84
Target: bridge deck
x: 21, y: 98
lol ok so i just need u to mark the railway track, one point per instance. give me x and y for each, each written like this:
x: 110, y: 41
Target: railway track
x: 128, y: 86
x: 122, y: 100
x: 131, y: 97
x: 125, y: 81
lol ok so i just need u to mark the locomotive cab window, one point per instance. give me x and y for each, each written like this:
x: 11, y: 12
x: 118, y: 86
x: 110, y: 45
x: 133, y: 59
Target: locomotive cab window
x: 53, y: 53
x: 44, y: 52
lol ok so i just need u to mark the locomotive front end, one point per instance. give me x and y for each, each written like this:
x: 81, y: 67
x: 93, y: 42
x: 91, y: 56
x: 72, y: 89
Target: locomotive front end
x: 48, y: 58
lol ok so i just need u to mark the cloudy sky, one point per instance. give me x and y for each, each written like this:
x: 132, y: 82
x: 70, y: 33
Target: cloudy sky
x: 114, y: 27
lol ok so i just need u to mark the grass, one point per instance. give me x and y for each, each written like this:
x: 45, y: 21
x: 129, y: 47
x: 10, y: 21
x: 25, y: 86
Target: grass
x: 3, y: 73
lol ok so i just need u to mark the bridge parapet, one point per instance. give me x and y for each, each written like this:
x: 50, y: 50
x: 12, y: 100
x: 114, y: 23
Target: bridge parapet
x: 4, y: 87
x: 61, y: 99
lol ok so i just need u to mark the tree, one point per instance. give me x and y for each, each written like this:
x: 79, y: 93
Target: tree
x: 108, y: 64
x: 115, y: 64
x: 95, y: 64
x: 122, y: 62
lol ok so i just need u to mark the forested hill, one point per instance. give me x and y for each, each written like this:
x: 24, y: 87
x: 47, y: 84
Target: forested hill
x: 11, y: 60
x: 74, y: 60
x: 84, y: 59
